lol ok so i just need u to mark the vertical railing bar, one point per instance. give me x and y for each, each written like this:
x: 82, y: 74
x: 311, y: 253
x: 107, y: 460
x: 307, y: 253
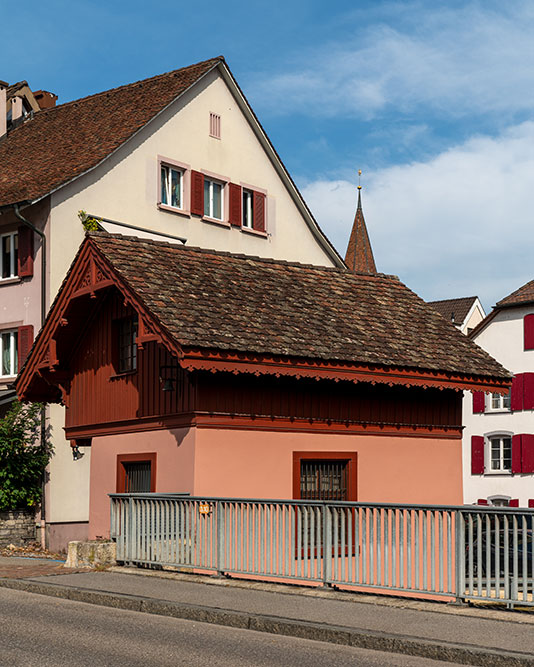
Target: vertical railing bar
x: 394, y: 547
x: 479, y: 552
x: 417, y: 583
x: 471, y: 554
x: 506, y: 554
x: 440, y: 549
x: 432, y: 516
x: 524, y: 555
x: 497, y: 550
x: 409, y: 569
x: 488, y: 556
x: 356, y: 523
x: 378, y: 542
x: 515, y: 557
x: 424, y: 520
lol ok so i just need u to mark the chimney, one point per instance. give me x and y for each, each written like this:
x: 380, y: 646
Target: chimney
x: 44, y: 99
x: 3, y: 108
x: 16, y: 108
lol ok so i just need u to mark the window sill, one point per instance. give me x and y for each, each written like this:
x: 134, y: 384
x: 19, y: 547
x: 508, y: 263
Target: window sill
x: 117, y: 376
x: 502, y: 473
x: 10, y: 281
x: 254, y: 232
x: 500, y: 411
x: 214, y: 221
x: 172, y: 209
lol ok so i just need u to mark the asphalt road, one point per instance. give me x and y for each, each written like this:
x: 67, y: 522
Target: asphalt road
x: 43, y: 631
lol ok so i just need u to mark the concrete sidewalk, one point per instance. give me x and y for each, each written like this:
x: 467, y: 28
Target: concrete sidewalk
x: 456, y: 634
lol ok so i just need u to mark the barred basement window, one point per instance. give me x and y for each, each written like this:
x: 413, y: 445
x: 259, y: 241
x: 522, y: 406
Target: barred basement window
x: 136, y: 473
x: 324, y: 480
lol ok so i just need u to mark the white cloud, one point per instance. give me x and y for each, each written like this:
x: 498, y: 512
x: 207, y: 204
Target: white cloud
x: 448, y: 59
x: 459, y: 224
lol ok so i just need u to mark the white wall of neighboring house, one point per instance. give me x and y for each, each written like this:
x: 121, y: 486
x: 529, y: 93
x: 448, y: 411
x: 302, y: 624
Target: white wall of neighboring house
x: 503, y: 339
x: 474, y: 316
x: 125, y: 188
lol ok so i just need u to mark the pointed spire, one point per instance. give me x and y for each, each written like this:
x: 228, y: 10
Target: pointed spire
x: 359, y: 257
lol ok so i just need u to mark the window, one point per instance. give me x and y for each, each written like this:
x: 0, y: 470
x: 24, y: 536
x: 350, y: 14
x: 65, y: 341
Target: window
x: 136, y: 473
x: 499, y: 402
x: 171, y: 186
x: 499, y: 453
x: 8, y: 353
x: 324, y: 475
x: 213, y: 199
x: 8, y: 255
x: 499, y: 501
x: 127, y: 346
x: 248, y: 209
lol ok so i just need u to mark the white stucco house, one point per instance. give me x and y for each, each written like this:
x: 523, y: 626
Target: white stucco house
x: 498, y: 440
x: 179, y: 157
x: 465, y: 312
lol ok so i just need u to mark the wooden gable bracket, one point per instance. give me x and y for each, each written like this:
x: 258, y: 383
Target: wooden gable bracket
x: 94, y: 278
x: 145, y: 334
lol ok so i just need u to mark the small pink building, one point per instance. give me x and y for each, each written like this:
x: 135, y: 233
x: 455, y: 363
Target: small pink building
x: 190, y: 370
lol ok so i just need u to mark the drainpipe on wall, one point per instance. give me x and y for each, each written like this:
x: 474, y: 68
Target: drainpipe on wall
x: 18, y: 214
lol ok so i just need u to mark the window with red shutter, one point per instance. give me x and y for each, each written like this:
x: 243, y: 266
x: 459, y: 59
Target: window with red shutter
x: 528, y: 328
x: 25, y: 341
x: 478, y: 401
x: 516, y: 401
x: 197, y: 193
x: 527, y: 452
x: 25, y: 252
x: 259, y: 211
x: 531, y: 502
x: 477, y: 455
x: 482, y: 501
x: 234, y: 203
x: 516, y: 453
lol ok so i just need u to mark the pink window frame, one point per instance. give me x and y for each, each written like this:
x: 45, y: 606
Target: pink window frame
x: 186, y: 185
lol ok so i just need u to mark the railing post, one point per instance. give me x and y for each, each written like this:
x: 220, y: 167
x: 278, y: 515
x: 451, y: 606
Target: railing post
x: 327, y: 546
x: 220, y: 539
x: 459, y: 559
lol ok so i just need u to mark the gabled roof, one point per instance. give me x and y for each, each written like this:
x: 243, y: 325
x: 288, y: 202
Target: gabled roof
x: 359, y: 255
x: 204, y: 304
x: 454, y: 310
x: 520, y: 297
x: 63, y: 142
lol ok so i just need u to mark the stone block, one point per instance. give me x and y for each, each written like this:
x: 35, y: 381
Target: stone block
x: 91, y: 554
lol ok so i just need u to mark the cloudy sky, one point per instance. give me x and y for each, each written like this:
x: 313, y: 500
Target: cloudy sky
x: 434, y: 101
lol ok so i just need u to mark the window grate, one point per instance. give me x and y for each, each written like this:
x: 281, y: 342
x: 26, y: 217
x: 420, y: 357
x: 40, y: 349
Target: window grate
x: 323, y: 480
x: 137, y: 476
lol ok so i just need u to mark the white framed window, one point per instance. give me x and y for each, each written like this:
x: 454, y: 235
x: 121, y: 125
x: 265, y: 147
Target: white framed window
x: 213, y: 199
x: 248, y: 209
x: 172, y: 186
x: 498, y: 402
x: 8, y: 353
x: 499, y: 453
x: 8, y: 255
x: 499, y: 501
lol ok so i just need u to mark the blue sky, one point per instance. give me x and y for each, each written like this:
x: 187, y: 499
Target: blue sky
x: 433, y: 100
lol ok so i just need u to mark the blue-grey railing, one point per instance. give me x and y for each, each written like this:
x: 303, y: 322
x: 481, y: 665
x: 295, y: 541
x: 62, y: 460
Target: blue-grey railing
x: 465, y: 552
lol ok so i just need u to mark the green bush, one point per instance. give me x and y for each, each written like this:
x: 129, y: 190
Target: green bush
x: 23, y: 456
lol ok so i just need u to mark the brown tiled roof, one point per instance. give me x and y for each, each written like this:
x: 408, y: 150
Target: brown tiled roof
x: 524, y: 294
x: 63, y: 142
x: 359, y: 256
x: 217, y: 300
x: 458, y: 307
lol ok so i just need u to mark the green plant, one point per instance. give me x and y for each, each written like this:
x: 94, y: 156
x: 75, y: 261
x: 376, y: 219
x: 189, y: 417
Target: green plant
x: 24, y: 455
x: 90, y: 223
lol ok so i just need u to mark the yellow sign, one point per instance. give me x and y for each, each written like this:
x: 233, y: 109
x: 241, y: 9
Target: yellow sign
x: 204, y: 508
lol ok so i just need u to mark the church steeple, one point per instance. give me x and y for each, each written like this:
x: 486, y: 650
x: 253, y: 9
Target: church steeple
x: 359, y: 257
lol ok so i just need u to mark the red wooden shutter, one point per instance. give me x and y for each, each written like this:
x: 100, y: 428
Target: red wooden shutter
x: 477, y: 455
x: 235, y: 203
x: 516, y: 453
x: 527, y: 452
x: 528, y: 327
x: 482, y: 501
x: 516, y: 400
x: 514, y: 502
x: 528, y: 391
x: 25, y: 252
x: 259, y: 211
x: 531, y: 502
x: 197, y: 193
x: 478, y: 401
x: 25, y: 340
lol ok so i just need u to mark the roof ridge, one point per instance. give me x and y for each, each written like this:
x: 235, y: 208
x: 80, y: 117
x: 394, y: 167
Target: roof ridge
x: 457, y: 298
x: 133, y: 84
x: 256, y: 258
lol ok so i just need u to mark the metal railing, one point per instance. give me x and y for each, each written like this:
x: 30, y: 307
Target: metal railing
x: 463, y: 552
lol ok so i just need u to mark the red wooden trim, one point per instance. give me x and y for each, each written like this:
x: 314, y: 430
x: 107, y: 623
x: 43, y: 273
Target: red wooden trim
x: 477, y: 455
x: 197, y: 193
x: 517, y: 442
x: 528, y: 331
x: 25, y: 252
x: 527, y: 452
x: 235, y: 204
x: 350, y: 457
x: 516, y: 395
x: 127, y: 458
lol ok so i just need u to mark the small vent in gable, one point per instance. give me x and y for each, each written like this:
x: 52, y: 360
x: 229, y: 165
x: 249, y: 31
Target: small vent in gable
x: 215, y: 125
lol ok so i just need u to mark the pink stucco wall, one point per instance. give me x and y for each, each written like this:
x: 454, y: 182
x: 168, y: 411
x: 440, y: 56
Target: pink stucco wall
x: 259, y: 464
x: 174, y: 468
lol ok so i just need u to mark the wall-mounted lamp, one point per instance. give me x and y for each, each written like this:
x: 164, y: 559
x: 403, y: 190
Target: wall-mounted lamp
x: 75, y: 451
x: 167, y: 377
x: 75, y: 447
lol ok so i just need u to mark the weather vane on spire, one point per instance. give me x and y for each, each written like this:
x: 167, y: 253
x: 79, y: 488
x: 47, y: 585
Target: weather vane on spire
x: 359, y: 177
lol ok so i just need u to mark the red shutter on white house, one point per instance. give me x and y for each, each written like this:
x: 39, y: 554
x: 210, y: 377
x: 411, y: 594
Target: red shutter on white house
x: 197, y: 193
x: 516, y: 453
x: 516, y: 398
x: 477, y: 455
x: 235, y: 203
x: 514, y: 502
x: 25, y: 252
x: 528, y: 391
x: 528, y: 328
x: 531, y: 502
x: 24, y: 343
x: 259, y: 211
x: 482, y: 501
x: 478, y: 401
x: 527, y: 452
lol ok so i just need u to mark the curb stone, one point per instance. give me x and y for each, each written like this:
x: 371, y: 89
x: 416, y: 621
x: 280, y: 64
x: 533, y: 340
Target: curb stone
x: 464, y: 654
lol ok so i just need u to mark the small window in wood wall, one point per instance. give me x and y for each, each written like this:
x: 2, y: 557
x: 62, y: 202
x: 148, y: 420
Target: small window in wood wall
x: 215, y: 125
